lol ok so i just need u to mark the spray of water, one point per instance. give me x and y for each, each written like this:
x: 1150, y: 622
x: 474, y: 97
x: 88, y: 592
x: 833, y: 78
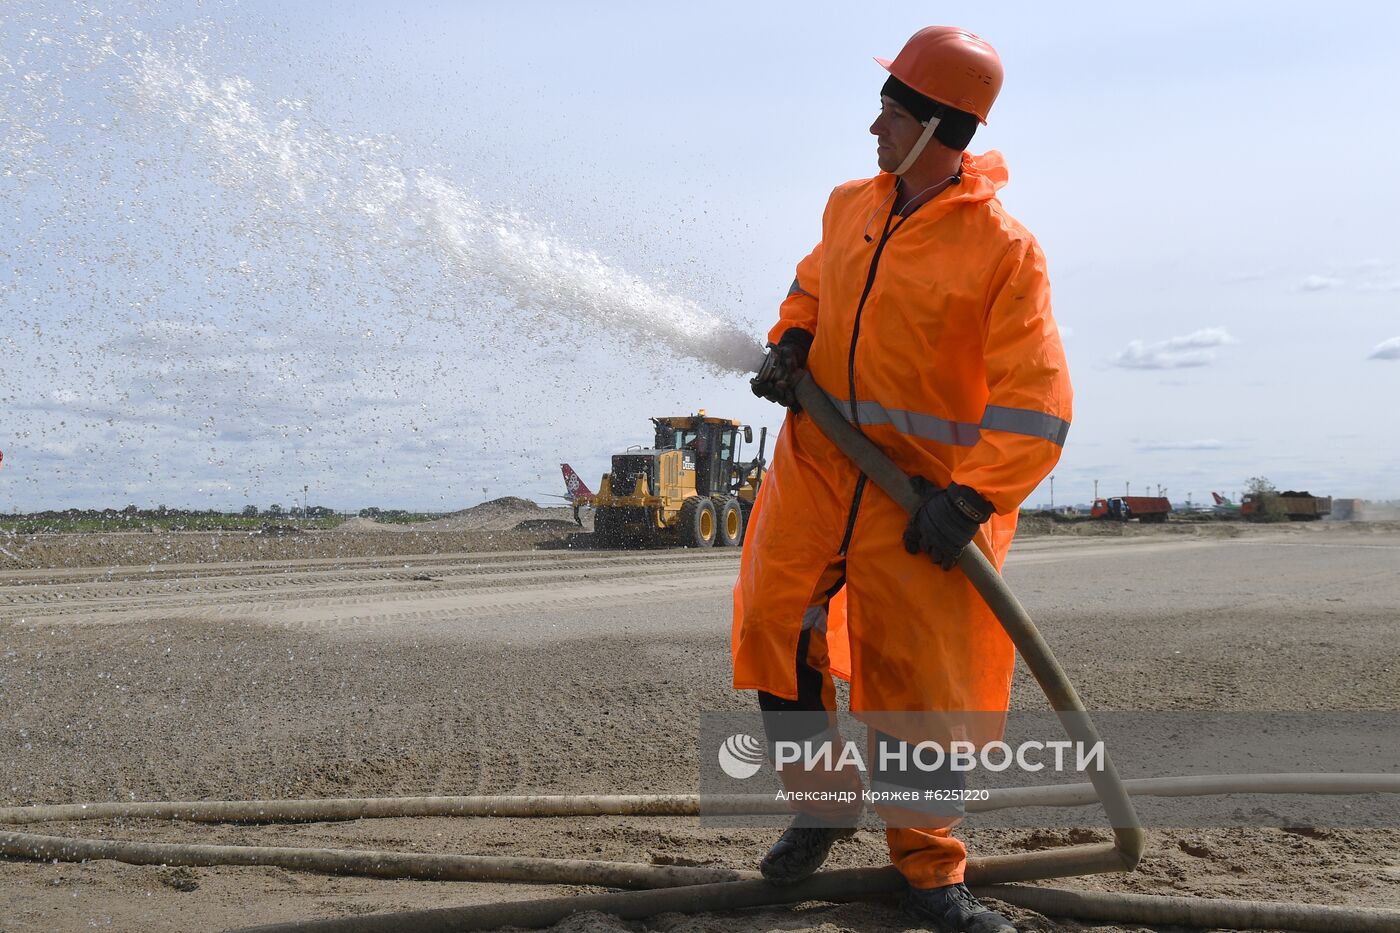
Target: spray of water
x: 349, y: 188
x: 208, y: 276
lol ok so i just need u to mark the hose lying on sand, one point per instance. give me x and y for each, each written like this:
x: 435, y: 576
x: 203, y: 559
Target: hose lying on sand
x: 369, y: 863
x: 851, y: 884
x: 692, y: 889
x: 433, y: 867
x: 554, y: 805
x: 1197, y: 911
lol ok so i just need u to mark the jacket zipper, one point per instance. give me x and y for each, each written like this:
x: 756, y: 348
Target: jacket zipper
x: 885, y: 235
x: 851, y: 519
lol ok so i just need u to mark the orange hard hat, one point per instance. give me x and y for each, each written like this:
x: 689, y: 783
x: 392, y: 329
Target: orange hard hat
x: 950, y: 65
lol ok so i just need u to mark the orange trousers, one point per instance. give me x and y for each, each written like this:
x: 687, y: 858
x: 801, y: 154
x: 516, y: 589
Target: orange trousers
x: 928, y: 857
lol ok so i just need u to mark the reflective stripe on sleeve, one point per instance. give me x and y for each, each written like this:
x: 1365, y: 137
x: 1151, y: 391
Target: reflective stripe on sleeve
x: 1025, y: 421
x: 957, y: 433
x: 797, y: 289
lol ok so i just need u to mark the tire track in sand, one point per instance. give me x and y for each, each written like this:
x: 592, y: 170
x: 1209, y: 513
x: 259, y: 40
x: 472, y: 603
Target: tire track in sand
x: 373, y: 597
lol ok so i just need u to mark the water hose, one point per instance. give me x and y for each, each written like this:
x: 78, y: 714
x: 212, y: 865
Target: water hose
x: 434, y: 867
x: 1207, y: 913
x: 543, y: 870
x: 853, y: 884
x: 1198, y: 785
x: 842, y: 885
x: 1123, y: 853
x: 370, y: 808
x: 369, y: 863
x: 337, y: 809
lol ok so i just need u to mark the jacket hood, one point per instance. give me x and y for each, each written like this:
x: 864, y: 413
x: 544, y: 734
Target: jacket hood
x: 983, y: 175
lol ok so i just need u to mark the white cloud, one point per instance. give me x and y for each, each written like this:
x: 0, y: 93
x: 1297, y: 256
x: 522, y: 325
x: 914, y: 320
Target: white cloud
x: 1194, y: 349
x: 1386, y: 350
x: 1368, y: 275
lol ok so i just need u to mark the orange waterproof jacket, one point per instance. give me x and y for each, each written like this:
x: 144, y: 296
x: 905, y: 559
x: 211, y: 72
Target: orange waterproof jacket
x: 934, y: 334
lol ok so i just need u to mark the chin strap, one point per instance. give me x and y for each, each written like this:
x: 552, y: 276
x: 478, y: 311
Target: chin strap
x: 918, y: 149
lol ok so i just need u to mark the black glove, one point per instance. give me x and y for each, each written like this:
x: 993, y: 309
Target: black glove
x: 946, y: 522
x: 782, y: 368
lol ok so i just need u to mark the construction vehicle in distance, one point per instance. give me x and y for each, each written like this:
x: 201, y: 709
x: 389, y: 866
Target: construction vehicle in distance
x: 1288, y: 505
x: 1146, y: 509
x: 690, y: 487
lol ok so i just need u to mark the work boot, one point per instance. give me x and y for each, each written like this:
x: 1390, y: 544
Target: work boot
x: 800, y: 850
x: 953, y: 909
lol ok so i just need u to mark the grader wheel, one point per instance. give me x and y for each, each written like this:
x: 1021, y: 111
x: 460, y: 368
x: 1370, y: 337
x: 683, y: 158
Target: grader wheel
x: 731, y: 523
x: 698, y: 525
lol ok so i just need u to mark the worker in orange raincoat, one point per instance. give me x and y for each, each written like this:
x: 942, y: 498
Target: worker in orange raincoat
x: 924, y: 314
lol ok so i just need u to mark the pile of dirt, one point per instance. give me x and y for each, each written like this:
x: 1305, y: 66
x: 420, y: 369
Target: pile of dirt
x: 362, y: 525
x: 503, y: 514
x: 1034, y: 525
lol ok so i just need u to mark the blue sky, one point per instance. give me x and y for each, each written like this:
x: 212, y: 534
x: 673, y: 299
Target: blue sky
x: 252, y: 248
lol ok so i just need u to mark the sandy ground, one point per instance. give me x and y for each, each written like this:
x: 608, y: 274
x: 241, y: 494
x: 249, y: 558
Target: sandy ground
x: 393, y: 663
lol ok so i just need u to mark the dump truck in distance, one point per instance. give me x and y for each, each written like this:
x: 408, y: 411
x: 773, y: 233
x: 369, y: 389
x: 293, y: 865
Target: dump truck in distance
x: 690, y: 487
x: 1124, y: 508
x: 1289, y: 505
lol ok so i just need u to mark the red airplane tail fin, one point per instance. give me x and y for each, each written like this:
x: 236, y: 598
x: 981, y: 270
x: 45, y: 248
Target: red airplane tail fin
x: 574, y: 483
x: 1218, y: 500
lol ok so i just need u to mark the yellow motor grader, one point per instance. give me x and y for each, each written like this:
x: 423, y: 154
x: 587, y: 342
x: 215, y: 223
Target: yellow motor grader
x: 690, y: 487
